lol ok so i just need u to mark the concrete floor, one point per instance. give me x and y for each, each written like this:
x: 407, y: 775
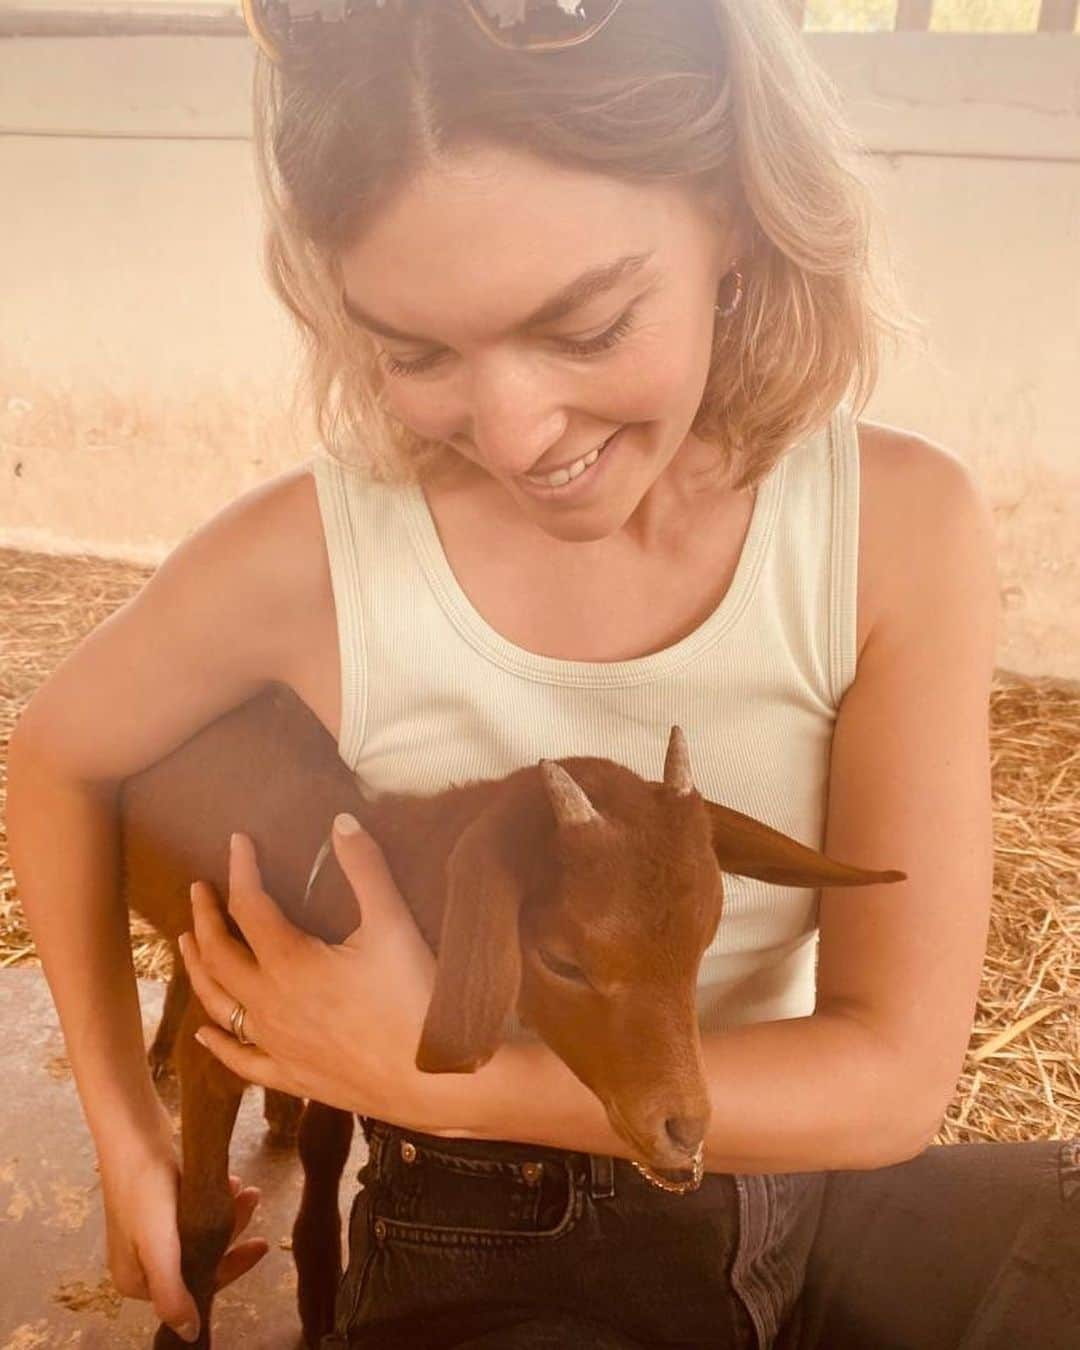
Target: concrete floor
x: 54, y: 1285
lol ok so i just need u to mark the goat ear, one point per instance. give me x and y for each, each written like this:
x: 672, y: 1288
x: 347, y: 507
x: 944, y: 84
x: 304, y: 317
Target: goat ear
x: 747, y: 848
x: 478, y: 967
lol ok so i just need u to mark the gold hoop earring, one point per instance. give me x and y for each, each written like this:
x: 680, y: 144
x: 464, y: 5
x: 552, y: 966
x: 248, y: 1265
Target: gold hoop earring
x: 727, y: 311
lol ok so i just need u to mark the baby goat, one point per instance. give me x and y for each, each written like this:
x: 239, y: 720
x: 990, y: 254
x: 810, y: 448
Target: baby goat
x: 574, y: 892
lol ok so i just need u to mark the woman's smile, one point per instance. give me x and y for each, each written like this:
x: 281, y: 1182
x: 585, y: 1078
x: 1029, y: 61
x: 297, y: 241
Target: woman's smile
x: 572, y: 485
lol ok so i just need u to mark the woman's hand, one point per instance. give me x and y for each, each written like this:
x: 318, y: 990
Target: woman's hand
x: 339, y: 1023
x: 143, y: 1243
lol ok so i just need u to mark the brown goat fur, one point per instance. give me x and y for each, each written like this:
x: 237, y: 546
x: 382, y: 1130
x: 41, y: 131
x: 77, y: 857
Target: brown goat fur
x: 580, y: 864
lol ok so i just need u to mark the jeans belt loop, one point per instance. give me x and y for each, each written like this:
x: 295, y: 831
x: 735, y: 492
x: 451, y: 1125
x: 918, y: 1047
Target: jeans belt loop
x: 601, y: 1176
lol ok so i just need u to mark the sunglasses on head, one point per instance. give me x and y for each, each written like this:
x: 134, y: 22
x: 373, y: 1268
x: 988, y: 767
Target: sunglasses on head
x: 517, y: 25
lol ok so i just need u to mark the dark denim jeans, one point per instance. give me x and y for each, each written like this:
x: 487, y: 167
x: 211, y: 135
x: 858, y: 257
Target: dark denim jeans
x: 485, y: 1245
x: 965, y: 1247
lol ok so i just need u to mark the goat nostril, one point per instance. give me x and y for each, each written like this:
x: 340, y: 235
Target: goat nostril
x: 686, y: 1132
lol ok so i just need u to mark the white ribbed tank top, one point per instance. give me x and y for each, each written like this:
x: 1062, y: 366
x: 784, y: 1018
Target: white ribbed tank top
x: 432, y: 695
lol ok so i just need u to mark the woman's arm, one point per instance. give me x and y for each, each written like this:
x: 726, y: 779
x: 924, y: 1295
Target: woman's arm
x: 139, y: 684
x: 866, y: 1080
x: 800, y: 1095
x: 63, y: 842
x: 134, y: 688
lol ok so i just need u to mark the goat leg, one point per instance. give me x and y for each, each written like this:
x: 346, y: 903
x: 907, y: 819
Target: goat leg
x: 325, y: 1138
x: 172, y: 1013
x: 209, y: 1100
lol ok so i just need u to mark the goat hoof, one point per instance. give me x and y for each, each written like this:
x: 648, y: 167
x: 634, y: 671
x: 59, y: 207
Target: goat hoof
x: 167, y: 1339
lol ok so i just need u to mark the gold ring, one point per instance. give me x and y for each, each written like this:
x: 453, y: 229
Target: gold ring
x: 236, y: 1023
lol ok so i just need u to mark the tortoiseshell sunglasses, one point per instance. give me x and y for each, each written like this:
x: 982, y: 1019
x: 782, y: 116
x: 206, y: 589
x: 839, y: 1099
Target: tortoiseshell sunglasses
x: 518, y: 25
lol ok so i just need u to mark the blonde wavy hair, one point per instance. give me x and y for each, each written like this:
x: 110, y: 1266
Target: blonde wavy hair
x: 719, y: 95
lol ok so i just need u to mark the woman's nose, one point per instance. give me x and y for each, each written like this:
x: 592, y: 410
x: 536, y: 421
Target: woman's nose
x: 513, y: 421
x: 514, y: 447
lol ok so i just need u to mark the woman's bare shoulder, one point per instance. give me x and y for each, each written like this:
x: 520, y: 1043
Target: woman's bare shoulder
x: 888, y: 450
x: 903, y: 479
x: 298, y: 570
x: 242, y: 601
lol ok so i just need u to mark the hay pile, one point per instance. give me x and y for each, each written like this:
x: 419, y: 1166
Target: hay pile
x: 1020, y: 1078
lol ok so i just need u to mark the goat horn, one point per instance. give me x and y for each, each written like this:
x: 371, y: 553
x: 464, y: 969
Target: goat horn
x: 677, y: 774
x: 568, y: 799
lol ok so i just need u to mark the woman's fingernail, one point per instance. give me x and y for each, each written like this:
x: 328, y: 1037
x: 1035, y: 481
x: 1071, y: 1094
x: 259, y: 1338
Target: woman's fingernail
x: 346, y: 824
x: 189, y: 1331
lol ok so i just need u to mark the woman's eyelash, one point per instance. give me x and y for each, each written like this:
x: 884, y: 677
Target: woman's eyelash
x: 609, y: 338
x: 589, y: 347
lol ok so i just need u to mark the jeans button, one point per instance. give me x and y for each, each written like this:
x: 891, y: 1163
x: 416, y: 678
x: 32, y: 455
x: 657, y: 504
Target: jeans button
x: 408, y: 1151
x: 379, y: 1228
x: 532, y: 1172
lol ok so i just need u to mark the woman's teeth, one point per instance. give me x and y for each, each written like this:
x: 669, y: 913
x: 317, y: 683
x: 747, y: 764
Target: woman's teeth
x: 561, y: 476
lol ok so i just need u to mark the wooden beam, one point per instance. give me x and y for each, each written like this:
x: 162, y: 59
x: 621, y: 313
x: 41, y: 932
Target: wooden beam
x: 25, y: 20
x: 913, y: 16
x: 1057, y: 16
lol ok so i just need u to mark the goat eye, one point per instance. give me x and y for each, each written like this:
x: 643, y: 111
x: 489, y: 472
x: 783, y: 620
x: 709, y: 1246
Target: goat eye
x: 563, y: 968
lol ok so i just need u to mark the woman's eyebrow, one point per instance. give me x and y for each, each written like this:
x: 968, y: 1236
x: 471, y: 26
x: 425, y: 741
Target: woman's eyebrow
x: 592, y: 282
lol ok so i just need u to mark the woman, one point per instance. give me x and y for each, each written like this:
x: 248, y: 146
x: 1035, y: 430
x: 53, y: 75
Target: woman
x: 586, y: 295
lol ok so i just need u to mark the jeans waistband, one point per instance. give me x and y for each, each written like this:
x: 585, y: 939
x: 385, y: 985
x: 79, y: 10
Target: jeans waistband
x: 598, y: 1168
